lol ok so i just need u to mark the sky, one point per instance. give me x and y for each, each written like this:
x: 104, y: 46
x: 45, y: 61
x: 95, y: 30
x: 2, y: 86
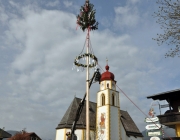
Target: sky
x: 39, y: 42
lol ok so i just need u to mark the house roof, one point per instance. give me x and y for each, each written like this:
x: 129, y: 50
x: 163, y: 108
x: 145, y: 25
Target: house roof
x: 68, y: 118
x: 4, y: 134
x: 172, y: 94
x: 25, y: 135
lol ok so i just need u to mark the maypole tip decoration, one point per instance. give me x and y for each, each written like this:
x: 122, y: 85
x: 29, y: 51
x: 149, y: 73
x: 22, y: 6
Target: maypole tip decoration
x: 86, y: 18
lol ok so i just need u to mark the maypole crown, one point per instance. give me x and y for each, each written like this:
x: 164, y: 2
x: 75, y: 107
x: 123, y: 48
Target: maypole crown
x: 86, y: 18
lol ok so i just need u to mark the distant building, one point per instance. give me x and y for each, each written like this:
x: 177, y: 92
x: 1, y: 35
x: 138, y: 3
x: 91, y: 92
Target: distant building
x: 4, y: 134
x: 171, y: 117
x: 107, y: 121
x: 25, y: 136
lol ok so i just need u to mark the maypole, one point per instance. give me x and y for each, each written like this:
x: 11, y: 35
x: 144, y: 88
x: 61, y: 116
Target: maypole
x: 87, y: 90
x: 87, y: 22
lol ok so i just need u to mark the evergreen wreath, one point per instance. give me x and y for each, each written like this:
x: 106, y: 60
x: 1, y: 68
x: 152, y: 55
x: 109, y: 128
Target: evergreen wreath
x: 86, y: 18
x: 95, y: 60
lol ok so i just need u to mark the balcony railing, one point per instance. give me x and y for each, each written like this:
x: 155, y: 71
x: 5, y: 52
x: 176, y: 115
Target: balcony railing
x: 169, y: 118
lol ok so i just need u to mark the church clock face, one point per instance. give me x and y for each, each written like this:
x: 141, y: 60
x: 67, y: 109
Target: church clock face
x: 102, y: 85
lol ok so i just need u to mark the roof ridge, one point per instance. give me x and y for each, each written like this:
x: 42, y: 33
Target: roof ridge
x: 71, y: 108
x: 77, y: 105
x: 66, y: 116
x: 80, y: 117
x: 5, y: 134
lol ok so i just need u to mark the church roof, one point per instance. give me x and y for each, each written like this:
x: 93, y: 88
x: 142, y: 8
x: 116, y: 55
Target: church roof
x: 68, y: 118
x: 129, y: 125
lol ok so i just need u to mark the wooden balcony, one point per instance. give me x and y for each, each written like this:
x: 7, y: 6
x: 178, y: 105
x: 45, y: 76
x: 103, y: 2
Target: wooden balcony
x: 170, y: 118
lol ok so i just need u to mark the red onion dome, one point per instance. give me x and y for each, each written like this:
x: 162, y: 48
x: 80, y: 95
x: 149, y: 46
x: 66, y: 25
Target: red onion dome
x: 107, y: 75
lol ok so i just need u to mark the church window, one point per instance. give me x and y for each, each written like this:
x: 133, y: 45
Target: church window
x: 103, y: 99
x: 113, y: 100
x: 107, y: 85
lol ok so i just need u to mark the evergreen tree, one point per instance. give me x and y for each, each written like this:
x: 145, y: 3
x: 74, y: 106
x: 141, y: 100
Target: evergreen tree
x: 86, y: 18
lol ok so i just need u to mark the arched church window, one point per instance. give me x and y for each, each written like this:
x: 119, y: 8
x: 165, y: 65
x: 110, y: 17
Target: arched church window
x: 103, y: 99
x: 113, y: 99
x: 107, y: 85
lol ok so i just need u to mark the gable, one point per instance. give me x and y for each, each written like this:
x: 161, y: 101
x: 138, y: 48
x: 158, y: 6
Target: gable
x: 4, y: 134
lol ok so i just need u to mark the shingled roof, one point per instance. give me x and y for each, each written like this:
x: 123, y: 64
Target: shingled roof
x: 4, y: 134
x: 129, y: 125
x: 68, y: 118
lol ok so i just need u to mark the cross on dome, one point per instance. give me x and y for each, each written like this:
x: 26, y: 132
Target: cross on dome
x: 107, y: 67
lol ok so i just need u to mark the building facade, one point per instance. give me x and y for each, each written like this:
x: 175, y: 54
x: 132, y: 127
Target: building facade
x: 171, y: 117
x: 107, y: 121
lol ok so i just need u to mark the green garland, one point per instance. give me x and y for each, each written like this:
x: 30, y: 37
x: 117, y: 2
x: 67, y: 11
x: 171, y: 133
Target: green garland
x: 86, y: 18
x: 85, y: 55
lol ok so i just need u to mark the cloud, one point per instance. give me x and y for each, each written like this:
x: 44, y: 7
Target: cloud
x: 133, y: 1
x: 126, y: 17
x: 67, y: 3
x: 53, y: 3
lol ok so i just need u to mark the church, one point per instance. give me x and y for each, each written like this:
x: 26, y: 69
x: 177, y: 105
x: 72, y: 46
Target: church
x: 107, y: 121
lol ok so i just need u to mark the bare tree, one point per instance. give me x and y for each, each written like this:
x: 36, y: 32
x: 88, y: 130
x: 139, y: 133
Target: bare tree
x: 169, y: 19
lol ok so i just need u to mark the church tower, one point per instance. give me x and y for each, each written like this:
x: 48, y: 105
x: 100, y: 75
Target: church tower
x: 108, y: 109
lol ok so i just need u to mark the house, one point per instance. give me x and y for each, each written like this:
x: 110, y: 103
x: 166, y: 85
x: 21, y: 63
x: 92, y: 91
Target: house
x: 107, y: 120
x: 25, y: 136
x: 4, y: 134
x: 171, y: 117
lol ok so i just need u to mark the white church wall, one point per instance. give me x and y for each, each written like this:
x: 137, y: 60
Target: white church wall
x: 102, y: 123
x: 80, y: 133
x: 114, y: 128
x: 116, y: 95
x: 60, y: 134
x: 123, y: 133
x: 99, y: 95
x: 108, y: 84
x: 102, y: 85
